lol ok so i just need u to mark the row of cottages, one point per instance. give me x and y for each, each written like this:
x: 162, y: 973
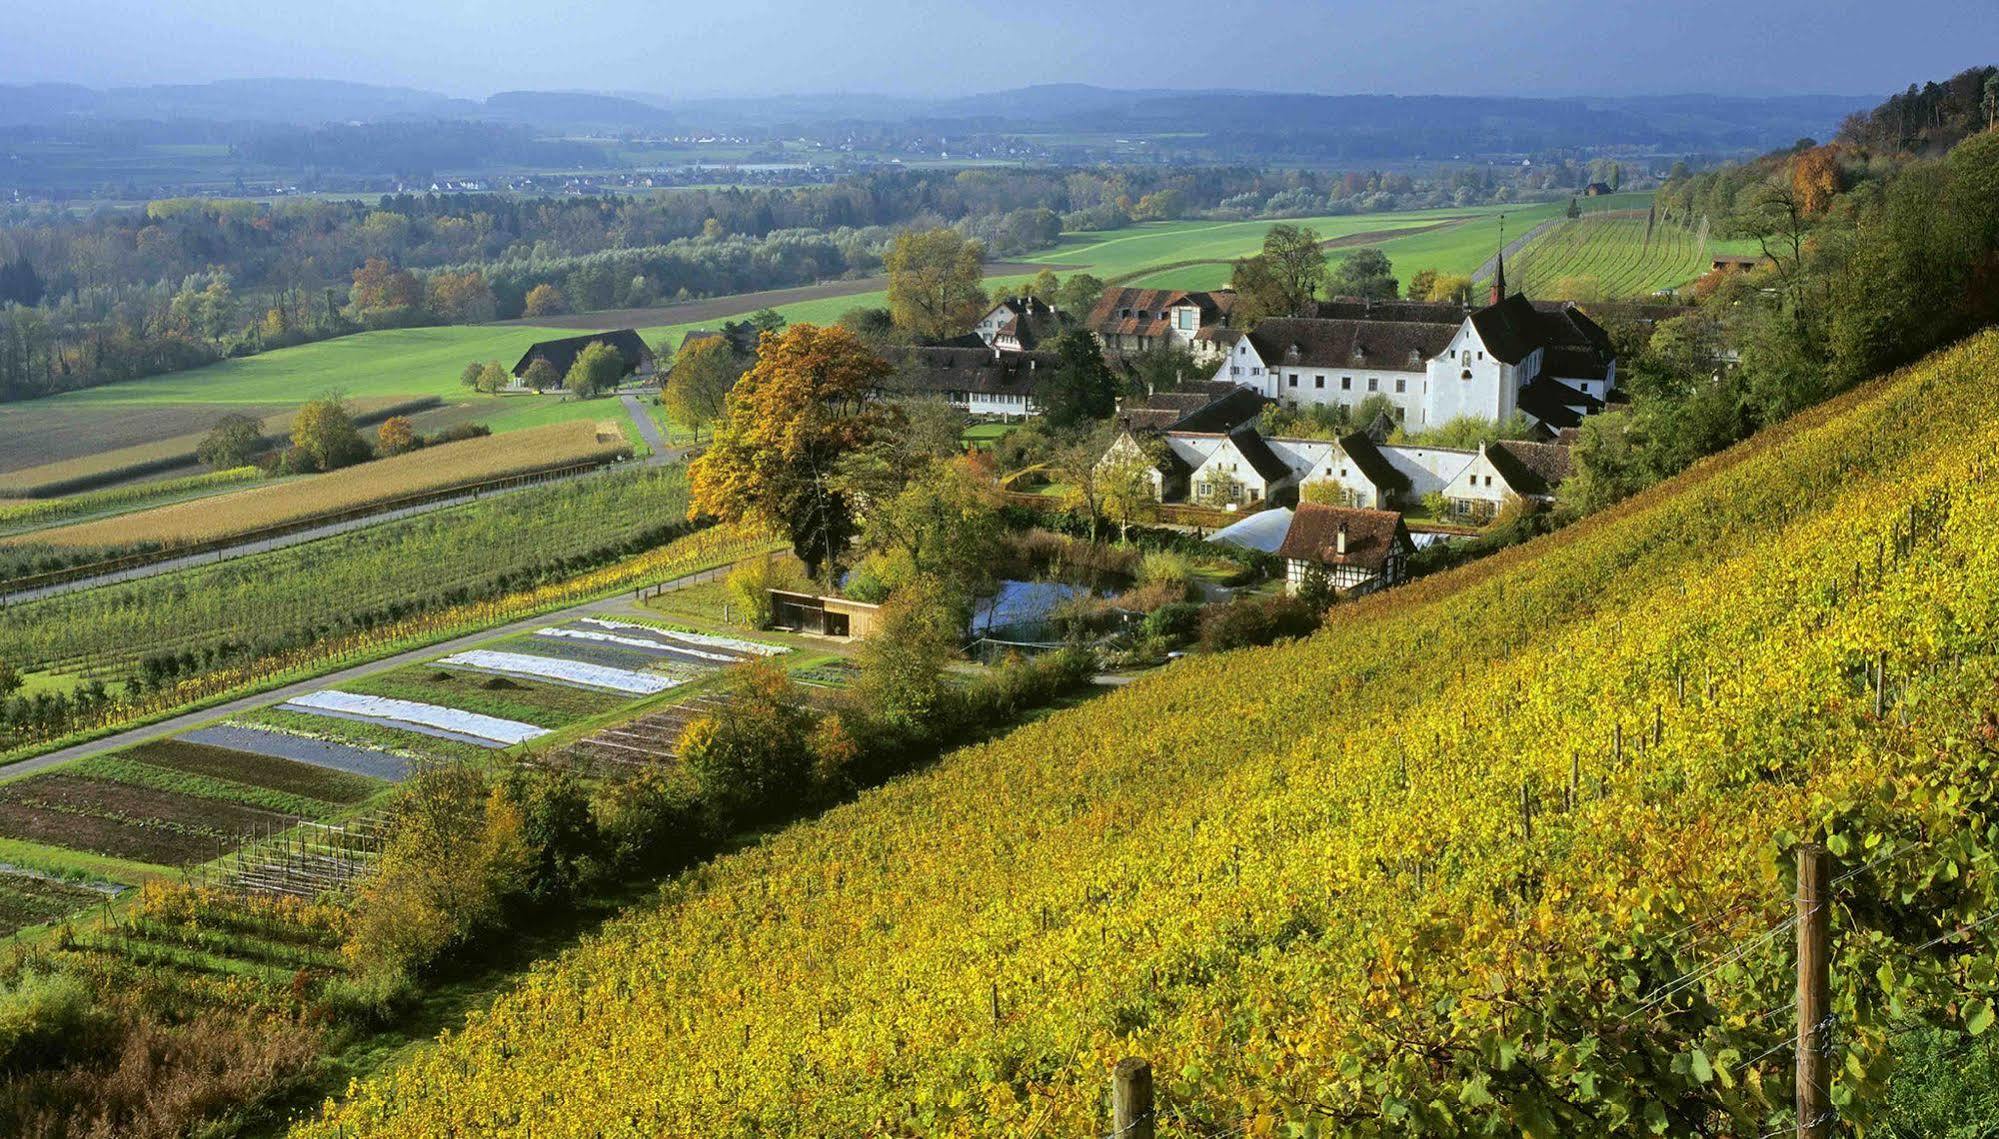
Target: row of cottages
x: 1238, y: 467
x: 1359, y: 550
x: 1131, y: 321
x: 561, y: 354
x: 1431, y: 362
x: 982, y: 381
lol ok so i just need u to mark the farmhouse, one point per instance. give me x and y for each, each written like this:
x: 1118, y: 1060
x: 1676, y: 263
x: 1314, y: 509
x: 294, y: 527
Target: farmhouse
x: 1597, y: 190
x: 1360, y: 550
x: 982, y: 381
x: 1128, y: 321
x: 1017, y: 324
x: 1547, y: 360
x: 823, y: 615
x: 561, y: 354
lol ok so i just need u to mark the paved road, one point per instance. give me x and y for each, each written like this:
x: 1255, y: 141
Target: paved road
x: 648, y: 430
x: 623, y: 606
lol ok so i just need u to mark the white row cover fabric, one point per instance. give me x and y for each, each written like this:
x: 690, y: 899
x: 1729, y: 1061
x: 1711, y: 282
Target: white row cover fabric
x: 633, y: 642
x: 427, y: 715
x: 569, y: 671
x: 753, y: 648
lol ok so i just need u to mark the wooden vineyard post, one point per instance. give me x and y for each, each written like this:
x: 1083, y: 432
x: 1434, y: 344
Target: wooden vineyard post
x: 1814, y: 995
x: 1131, y: 1099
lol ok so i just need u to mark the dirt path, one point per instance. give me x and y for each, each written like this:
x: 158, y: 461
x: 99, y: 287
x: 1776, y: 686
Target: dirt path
x: 739, y: 304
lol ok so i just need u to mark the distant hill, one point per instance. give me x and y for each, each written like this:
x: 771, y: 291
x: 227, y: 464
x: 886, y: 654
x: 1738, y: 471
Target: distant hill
x: 559, y: 109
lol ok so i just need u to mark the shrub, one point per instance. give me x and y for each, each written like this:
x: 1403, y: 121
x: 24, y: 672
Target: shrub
x: 564, y: 851
x: 752, y: 758
x: 749, y: 586
x: 43, y: 1016
x: 1179, y: 622
x: 651, y: 822
x: 901, y: 687
x: 1250, y: 621
x: 1167, y: 567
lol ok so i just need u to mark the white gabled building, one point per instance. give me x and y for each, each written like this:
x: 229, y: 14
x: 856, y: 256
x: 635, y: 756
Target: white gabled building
x: 1550, y: 362
x: 1015, y: 324
x: 982, y: 381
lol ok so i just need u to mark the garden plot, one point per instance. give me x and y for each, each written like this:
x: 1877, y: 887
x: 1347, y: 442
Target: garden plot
x: 676, y: 638
x: 650, y: 740
x: 582, y: 674
x: 29, y: 899
x: 413, y: 716
x: 145, y: 824
x: 326, y: 754
x: 273, y: 773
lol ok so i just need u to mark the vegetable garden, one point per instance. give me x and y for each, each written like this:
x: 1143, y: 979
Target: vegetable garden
x: 1522, y: 868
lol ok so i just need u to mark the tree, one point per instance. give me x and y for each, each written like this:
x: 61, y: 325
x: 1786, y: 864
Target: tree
x: 934, y: 283
x: 325, y: 433
x: 789, y: 421
x: 942, y: 525
x: 395, y: 435
x: 1990, y: 101
x: 901, y: 686
x: 1078, y: 295
x: 1045, y: 287
x: 767, y: 320
x: 752, y: 756
x: 461, y: 298
x: 541, y: 375
x: 11, y: 679
x: 494, y: 376
x: 1365, y: 273
x: 1420, y: 284
x: 1284, y: 279
x: 471, y: 373
x: 597, y: 369
x: 1453, y: 289
x: 697, y: 390
x: 875, y: 326
x: 384, y: 296
x: 1079, y: 388
x: 545, y: 300
x: 1124, y: 483
x: 1163, y: 370
x: 232, y: 442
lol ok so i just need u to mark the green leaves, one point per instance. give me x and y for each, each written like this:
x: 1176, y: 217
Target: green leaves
x: 1978, y: 1016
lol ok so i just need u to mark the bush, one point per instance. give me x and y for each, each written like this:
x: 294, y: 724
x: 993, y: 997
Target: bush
x: 1168, y: 568
x: 43, y: 1016
x: 652, y: 822
x: 1250, y: 621
x: 749, y: 586
x: 1178, y: 623
x: 752, y: 758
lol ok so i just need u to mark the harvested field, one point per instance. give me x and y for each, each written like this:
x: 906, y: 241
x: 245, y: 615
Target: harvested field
x: 165, y: 828
x: 355, y: 488
x: 331, y: 755
x: 34, y: 433
x: 271, y: 772
x: 104, y: 467
x: 27, y: 899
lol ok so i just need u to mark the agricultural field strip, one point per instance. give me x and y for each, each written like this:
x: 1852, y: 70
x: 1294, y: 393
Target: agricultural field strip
x: 330, y: 755
x: 396, y: 712
x: 383, y: 481
x: 634, y: 643
x: 732, y: 644
x: 579, y: 673
x: 125, y: 820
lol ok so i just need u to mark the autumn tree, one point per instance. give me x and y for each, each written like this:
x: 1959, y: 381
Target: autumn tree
x: 697, y: 389
x: 597, y: 369
x: 934, y: 283
x: 384, y: 296
x: 493, y: 376
x: 1045, y: 287
x: 541, y: 375
x: 941, y: 524
x: 1453, y: 288
x: 396, y: 435
x: 752, y: 756
x: 1124, y: 487
x: 902, y: 685
x: 789, y: 421
x: 461, y: 298
x: 1815, y: 179
x: 233, y: 441
x: 1420, y: 284
x: 545, y: 300
x: 325, y: 434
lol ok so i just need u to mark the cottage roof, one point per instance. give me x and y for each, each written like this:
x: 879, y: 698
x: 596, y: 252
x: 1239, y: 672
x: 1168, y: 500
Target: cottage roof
x: 1259, y: 455
x: 1368, y: 459
x: 1396, y: 312
x: 561, y: 354
x: 1208, y: 405
x: 1309, y: 342
x: 1530, y: 468
x: 1372, y: 536
x: 1148, y: 312
x: 1557, y: 405
x: 981, y: 370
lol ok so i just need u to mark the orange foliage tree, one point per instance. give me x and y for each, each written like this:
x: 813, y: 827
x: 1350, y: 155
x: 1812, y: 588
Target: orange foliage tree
x: 1815, y: 179
x: 789, y: 421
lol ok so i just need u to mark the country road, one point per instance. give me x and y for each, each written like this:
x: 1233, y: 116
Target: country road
x: 647, y: 429
x: 187, y: 721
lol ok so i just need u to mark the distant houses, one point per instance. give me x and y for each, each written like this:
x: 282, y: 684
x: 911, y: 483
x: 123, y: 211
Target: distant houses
x: 1017, y: 324
x: 561, y: 354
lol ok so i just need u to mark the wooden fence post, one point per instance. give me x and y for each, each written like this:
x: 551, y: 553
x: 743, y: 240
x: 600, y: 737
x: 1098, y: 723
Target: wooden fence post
x: 1814, y: 1073
x: 1131, y: 1099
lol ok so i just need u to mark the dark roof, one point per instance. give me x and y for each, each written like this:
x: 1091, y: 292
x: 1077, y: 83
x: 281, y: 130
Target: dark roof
x: 699, y: 334
x: 1025, y: 306
x: 1511, y: 328
x: 1530, y: 468
x: 1404, y: 312
x: 1372, y: 463
x: 1597, y: 189
x: 561, y: 354
x: 1118, y: 310
x: 1216, y: 406
x: 943, y: 370
x: 1557, y: 405
x: 1383, y: 345
x: 1259, y: 454
x: 1514, y: 327
x: 1372, y: 535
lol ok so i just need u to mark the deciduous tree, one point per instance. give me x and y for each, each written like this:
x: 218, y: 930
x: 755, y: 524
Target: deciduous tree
x: 789, y: 421
x: 232, y: 442
x: 697, y: 390
x: 1364, y: 273
x: 934, y: 288
x: 396, y: 435
x: 1079, y: 388
x: 597, y: 369
x: 545, y: 300
x: 541, y: 375
x: 325, y: 433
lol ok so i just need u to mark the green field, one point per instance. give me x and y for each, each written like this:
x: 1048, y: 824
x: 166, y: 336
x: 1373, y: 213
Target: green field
x: 1613, y: 255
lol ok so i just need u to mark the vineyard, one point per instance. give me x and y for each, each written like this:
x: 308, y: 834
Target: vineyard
x: 1609, y: 255
x: 1521, y: 870
x: 367, y: 485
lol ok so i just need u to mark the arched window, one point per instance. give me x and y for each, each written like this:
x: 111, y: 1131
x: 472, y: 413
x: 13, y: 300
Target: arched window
x: 1465, y: 375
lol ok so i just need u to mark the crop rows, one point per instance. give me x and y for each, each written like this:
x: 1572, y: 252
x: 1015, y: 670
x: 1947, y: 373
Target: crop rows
x: 1498, y: 852
x: 377, y: 483
x: 1625, y: 254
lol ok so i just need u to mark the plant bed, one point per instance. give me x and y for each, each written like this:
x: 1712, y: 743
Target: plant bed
x: 547, y: 705
x: 166, y: 828
x: 29, y: 899
x: 267, y: 771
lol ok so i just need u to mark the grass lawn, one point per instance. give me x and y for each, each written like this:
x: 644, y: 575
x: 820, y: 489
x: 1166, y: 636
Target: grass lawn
x: 986, y: 434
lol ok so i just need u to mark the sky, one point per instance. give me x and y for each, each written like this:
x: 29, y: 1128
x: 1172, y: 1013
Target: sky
x: 935, y: 47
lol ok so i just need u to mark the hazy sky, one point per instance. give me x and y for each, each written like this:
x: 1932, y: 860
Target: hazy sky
x: 937, y: 47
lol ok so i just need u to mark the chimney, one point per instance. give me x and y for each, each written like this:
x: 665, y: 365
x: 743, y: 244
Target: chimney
x: 1340, y: 541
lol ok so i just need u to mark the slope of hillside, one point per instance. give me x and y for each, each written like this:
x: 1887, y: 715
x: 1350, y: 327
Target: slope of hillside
x: 1501, y: 851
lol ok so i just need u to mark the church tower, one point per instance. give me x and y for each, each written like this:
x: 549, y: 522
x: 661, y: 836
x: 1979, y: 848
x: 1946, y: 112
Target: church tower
x: 1499, y: 275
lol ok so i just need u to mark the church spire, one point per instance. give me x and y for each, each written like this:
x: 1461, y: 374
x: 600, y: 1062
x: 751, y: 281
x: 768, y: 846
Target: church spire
x: 1499, y: 265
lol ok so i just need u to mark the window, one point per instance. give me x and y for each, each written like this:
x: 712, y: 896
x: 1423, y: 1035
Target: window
x: 1401, y: 386
x: 1185, y: 317
x: 1481, y: 355
x: 1466, y: 375
x: 1346, y: 383
x: 1294, y: 379
x: 1488, y: 480
x: 1373, y: 384
x: 1398, y: 415
x: 1319, y: 382
x: 1235, y: 369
